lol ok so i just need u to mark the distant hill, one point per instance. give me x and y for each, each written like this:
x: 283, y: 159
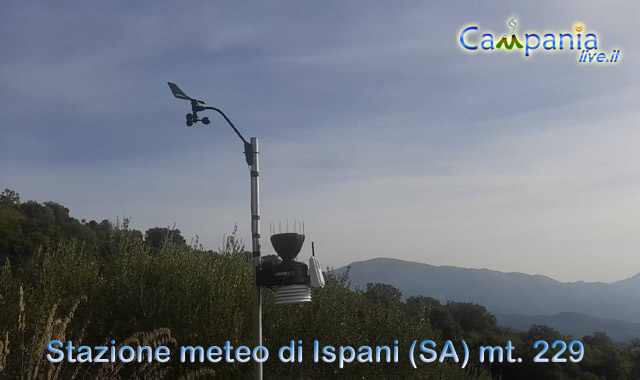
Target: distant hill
x: 504, y: 293
x: 574, y: 324
x: 630, y: 283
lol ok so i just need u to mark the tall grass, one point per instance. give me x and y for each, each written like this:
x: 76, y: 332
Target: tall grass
x: 181, y: 295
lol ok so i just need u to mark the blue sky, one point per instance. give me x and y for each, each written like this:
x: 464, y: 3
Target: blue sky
x: 376, y: 129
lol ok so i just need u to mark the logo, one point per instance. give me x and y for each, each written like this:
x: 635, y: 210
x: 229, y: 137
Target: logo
x: 576, y: 39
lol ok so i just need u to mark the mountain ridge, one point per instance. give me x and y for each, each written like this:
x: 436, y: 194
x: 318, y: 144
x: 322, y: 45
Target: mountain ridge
x: 503, y: 293
x: 633, y: 278
x: 633, y: 281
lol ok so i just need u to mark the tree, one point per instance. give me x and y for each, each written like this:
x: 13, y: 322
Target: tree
x: 10, y: 230
x: 438, y: 315
x: 9, y: 198
x: 633, y: 355
x: 603, y: 358
x: 384, y: 294
x: 156, y: 236
x: 472, y: 317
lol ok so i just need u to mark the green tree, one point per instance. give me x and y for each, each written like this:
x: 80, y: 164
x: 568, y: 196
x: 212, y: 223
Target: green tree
x: 155, y: 237
x: 10, y: 230
x: 9, y: 198
x: 472, y: 317
x: 435, y: 314
x: 604, y: 359
x: 383, y: 294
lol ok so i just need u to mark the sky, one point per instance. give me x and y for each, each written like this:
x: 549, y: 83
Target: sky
x: 376, y: 128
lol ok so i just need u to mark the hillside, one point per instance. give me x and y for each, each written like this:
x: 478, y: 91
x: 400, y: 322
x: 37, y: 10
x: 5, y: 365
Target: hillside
x: 574, y: 324
x: 630, y: 283
x: 503, y: 293
x: 107, y: 282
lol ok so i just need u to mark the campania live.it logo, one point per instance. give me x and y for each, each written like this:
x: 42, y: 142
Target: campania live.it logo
x: 471, y: 39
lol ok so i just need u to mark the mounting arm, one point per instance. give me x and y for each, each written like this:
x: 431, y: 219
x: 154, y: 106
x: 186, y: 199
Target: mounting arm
x: 248, y: 149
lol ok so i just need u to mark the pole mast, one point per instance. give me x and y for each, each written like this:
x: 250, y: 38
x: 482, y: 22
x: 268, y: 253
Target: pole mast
x: 255, y: 248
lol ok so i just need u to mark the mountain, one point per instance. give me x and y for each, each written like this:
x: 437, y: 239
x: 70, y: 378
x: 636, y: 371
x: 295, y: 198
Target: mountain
x: 630, y: 283
x: 503, y: 293
x: 574, y: 324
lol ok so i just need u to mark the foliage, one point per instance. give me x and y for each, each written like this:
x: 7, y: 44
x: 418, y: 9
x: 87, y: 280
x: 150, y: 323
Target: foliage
x: 382, y: 294
x: 111, y: 284
x: 154, y: 237
x: 24, y: 226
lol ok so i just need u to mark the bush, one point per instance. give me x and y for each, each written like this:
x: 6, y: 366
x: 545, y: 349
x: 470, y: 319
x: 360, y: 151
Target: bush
x: 181, y: 295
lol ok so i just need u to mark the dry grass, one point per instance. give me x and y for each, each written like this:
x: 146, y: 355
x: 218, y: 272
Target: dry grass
x: 33, y: 364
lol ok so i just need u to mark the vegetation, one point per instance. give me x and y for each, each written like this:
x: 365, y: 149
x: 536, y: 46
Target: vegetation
x: 93, y: 282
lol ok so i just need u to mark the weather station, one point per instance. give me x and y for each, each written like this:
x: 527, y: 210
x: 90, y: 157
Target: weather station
x: 291, y: 280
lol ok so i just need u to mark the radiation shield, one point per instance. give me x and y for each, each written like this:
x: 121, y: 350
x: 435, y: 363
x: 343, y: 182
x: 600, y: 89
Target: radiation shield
x: 292, y: 294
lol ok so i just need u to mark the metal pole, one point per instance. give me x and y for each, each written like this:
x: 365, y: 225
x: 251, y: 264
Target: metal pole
x: 251, y: 156
x: 255, y: 243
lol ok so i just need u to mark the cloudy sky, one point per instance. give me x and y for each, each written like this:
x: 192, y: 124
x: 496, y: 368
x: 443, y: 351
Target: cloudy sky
x: 376, y: 128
